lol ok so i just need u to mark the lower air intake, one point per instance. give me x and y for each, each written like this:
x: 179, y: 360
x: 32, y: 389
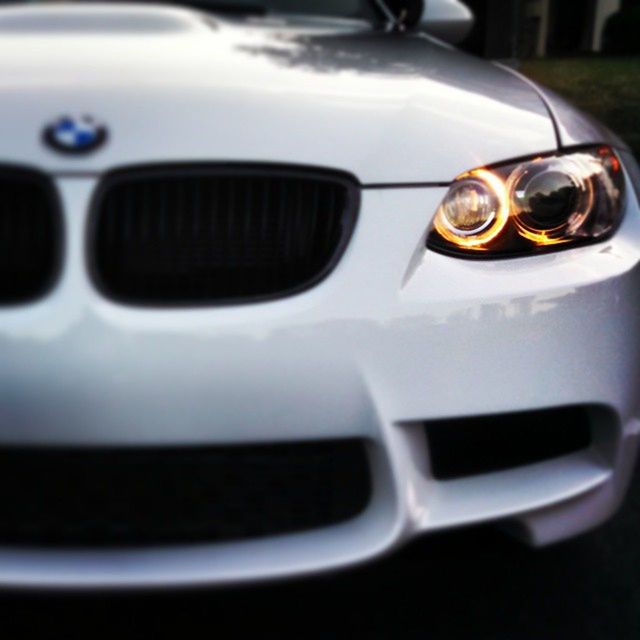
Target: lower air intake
x: 472, y: 446
x: 125, y: 497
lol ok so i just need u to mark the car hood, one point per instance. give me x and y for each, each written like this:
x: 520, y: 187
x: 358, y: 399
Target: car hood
x: 174, y: 85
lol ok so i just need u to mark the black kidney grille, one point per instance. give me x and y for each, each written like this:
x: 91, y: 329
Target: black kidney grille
x: 29, y: 235
x: 213, y: 235
x: 160, y: 496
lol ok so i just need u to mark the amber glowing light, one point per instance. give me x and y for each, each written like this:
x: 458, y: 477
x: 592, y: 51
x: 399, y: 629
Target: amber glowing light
x: 479, y: 241
x: 512, y: 209
x: 542, y: 238
x: 610, y: 158
x: 580, y: 172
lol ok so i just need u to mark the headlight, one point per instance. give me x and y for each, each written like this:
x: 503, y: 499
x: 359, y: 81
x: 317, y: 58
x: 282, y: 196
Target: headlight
x: 538, y: 205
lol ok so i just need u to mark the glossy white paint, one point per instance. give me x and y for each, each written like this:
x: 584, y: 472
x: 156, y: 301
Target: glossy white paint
x: 390, y: 108
x: 574, y: 127
x: 395, y: 336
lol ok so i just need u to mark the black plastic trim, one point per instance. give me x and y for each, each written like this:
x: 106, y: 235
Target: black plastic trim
x: 124, y: 174
x: 466, y: 447
x: 35, y: 176
x: 109, y: 497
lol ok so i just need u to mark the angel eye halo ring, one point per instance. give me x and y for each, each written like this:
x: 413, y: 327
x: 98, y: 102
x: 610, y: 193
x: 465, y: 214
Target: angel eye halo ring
x: 475, y: 211
x: 541, y: 204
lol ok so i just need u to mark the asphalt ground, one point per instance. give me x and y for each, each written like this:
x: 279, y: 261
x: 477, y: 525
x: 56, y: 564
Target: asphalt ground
x: 473, y: 583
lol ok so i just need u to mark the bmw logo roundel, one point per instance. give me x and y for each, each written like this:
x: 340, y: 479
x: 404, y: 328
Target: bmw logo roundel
x: 75, y: 135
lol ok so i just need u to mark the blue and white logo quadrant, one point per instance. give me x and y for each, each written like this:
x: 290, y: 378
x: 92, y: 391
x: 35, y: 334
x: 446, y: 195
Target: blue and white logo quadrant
x: 75, y: 134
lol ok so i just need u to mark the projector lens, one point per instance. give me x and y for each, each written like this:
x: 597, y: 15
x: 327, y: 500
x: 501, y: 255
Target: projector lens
x: 531, y: 206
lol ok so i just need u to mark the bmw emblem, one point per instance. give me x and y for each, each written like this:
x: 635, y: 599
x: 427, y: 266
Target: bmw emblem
x: 75, y: 135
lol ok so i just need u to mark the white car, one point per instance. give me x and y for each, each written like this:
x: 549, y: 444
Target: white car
x: 285, y: 285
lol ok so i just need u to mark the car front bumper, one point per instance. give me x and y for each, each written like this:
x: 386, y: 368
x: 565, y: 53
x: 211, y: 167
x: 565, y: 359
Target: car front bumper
x: 395, y: 337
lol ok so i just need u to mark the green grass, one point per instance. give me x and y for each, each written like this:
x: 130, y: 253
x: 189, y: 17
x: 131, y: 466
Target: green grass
x: 607, y: 88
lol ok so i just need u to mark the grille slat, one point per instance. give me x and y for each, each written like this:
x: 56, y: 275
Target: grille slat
x: 93, y: 497
x: 30, y: 238
x: 217, y: 234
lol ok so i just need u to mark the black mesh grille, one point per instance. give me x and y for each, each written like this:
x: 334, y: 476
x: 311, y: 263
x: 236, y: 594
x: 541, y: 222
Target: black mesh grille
x: 120, y: 497
x: 29, y: 235
x: 212, y: 235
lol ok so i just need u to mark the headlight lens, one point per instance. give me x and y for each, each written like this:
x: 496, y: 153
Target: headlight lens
x: 542, y: 204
